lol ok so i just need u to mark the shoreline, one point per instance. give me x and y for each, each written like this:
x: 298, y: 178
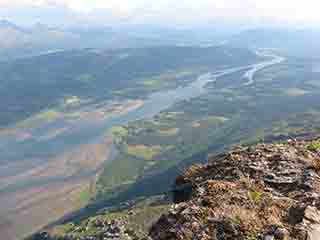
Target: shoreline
x: 31, y: 198
x: 100, y: 115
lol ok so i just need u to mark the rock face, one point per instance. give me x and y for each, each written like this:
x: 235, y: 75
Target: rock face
x: 269, y: 191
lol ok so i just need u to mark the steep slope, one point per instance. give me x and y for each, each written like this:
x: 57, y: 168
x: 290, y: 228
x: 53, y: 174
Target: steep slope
x: 126, y: 221
x: 269, y: 191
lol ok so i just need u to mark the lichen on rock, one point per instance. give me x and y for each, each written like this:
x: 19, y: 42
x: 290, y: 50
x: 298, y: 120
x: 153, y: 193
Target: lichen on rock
x: 267, y: 191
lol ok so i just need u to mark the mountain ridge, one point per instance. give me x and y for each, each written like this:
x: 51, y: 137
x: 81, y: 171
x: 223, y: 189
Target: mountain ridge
x: 263, y: 191
x: 266, y: 191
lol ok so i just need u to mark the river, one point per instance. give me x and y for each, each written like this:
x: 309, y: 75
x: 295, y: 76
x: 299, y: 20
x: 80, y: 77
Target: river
x: 40, y: 165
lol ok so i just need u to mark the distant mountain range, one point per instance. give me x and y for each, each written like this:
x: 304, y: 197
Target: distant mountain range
x: 302, y: 42
x: 17, y: 41
x: 6, y: 24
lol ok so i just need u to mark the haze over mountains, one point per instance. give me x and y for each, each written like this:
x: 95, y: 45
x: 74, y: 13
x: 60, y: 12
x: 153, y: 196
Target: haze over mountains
x: 16, y: 41
x: 297, y: 41
x: 95, y: 114
x: 22, y: 41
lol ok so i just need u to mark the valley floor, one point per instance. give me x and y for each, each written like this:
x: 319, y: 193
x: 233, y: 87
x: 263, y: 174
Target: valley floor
x: 228, y: 107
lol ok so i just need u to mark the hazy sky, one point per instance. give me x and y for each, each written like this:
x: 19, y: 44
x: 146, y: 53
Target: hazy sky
x: 162, y: 11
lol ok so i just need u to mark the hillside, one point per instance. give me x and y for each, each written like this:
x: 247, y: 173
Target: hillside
x: 281, y: 103
x: 36, y: 39
x: 99, y: 75
x: 266, y: 191
x: 72, y: 102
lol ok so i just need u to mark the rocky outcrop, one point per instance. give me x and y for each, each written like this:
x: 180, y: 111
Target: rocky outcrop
x: 267, y: 191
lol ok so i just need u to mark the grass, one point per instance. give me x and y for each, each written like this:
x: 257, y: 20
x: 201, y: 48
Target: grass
x: 163, y: 81
x: 119, y: 133
x: 171, y: 75
x: 82, y: 197
x: 145, y: 212
x: 252, y: 236
x: 62, y: 229
x: 314, y: 146
x: 118, y: 173
x: 216, y: 119
x: 255, y: 196
x: 85, y: 196
x: 41, y: 117
x: 207, y: 123
x: 49, y: 115
x: 142, y: 151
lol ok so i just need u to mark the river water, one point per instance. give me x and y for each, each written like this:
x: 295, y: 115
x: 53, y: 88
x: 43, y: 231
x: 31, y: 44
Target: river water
x: 39, y: 152
x: 18, y: 157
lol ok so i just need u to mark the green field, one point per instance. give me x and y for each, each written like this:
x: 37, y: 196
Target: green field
x: 223, y: 117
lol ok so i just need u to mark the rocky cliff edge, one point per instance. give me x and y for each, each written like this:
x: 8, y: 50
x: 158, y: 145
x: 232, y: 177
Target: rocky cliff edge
x: 267, y: 191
